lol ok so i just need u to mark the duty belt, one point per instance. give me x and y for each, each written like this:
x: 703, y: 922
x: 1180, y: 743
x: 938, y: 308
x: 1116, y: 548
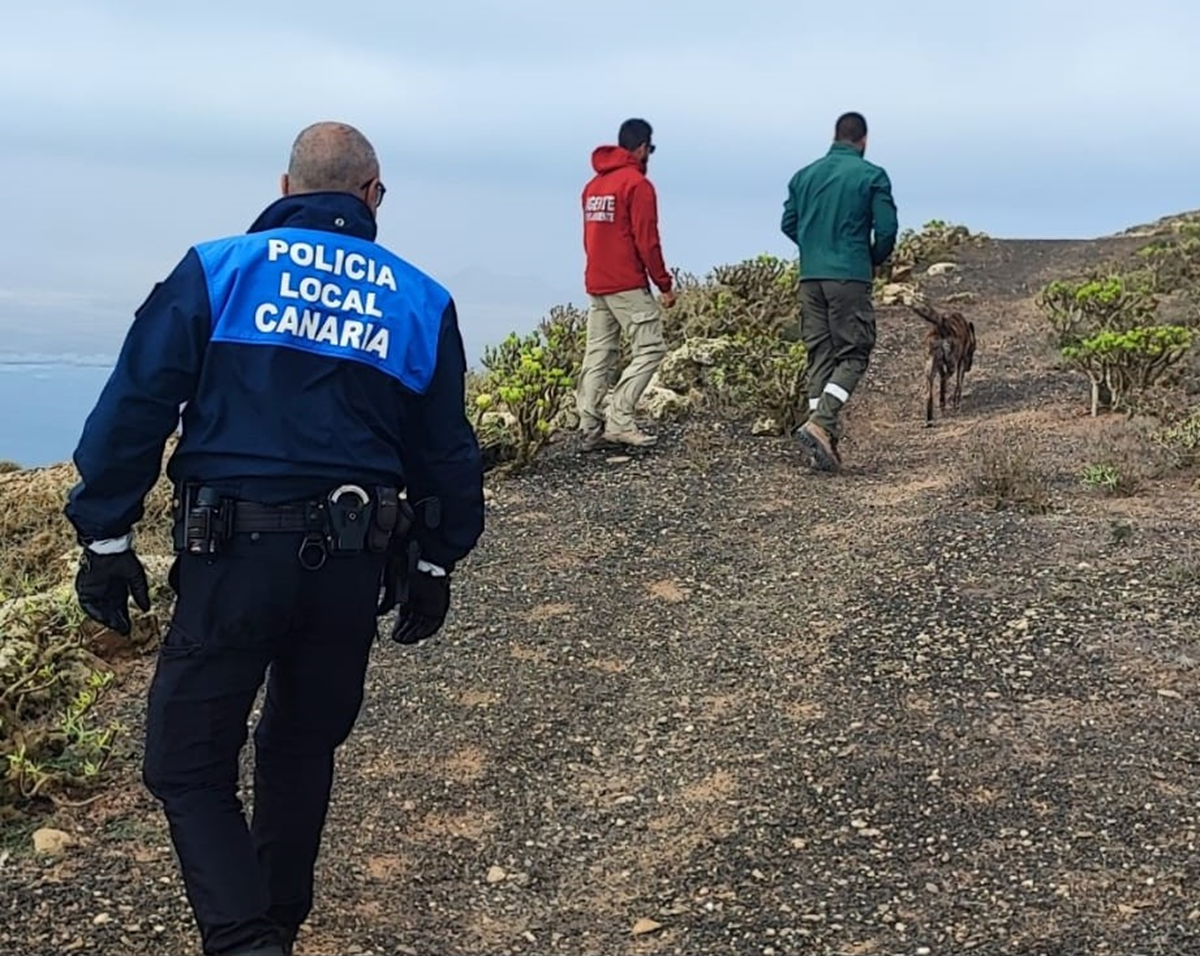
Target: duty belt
x: 348, y: 520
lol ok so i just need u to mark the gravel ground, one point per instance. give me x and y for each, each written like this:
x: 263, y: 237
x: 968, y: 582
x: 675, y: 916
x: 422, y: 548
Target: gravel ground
x: 704, y: 701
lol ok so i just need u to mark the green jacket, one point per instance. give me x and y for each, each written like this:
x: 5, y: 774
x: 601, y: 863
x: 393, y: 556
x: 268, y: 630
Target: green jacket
x: 832, y: 207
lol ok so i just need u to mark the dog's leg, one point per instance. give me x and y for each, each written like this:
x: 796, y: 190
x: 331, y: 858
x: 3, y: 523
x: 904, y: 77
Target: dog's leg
x: 930, y: 371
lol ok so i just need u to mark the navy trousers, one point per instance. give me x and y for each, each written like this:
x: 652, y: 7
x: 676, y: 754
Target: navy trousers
x: 249, y: 613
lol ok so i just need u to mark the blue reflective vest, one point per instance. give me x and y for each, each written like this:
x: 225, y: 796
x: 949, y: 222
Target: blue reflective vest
x: 304, y: 355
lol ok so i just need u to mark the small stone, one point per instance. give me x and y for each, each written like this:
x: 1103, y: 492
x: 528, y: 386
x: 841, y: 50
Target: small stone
x: 940, y: 268
x: 496, y: 874
x: 897, y: 293
x: 49, y: 842
x: 618, y: 459
x: 662, y: 403
x: 645, y: 925
x: 100, y: 919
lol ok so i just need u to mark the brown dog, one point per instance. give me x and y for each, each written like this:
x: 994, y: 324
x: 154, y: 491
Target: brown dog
x: 949, y: 350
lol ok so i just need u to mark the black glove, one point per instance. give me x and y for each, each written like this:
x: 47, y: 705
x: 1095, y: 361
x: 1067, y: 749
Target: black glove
x: 422, y: 610
x: 401, y: 557
x: 104, y: 584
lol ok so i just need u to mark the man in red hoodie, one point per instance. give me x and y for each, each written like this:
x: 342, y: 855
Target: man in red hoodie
x: 620, y: 238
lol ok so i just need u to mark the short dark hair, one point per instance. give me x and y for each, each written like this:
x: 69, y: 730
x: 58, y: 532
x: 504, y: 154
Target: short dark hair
x: 850, y: 128
x: 634, y: 133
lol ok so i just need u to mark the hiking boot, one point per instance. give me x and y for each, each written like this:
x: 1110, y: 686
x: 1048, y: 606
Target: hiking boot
x: 593, y: 439
x: 632, y: 435
x: 814, y: 438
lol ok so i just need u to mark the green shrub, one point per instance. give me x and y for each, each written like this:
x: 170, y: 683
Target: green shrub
x: 1181, y: 439
x: 8, y: 466
x: 1105, y: 301
x: 1110, y: 479
x: 1173, y: 261
x: 51, y: 742
x: 765, y: 375
x: 566, y: 326
x: 1122, y: 364
x: 755, y: 295
x: 477, y: 383
x: 530, y: 379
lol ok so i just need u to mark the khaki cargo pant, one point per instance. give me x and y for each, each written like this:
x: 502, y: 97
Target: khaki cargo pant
x: 837, y: 324
x: 637, y: 314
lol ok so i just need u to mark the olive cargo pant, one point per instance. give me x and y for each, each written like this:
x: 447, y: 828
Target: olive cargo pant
x: 637, y: 314
x: 837, y: 324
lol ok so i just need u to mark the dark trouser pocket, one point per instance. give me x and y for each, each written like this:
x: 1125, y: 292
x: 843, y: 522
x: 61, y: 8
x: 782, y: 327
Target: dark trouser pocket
x: 861, y: 330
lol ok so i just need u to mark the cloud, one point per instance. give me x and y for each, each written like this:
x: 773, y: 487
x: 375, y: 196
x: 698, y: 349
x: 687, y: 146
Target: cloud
x: 133, y: 130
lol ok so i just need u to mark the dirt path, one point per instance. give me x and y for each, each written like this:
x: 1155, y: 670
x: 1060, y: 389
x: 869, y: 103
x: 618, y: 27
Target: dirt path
x: 770, y: 711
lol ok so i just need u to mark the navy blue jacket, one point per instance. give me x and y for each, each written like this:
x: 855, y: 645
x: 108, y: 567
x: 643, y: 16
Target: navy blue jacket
x: 305, y: 355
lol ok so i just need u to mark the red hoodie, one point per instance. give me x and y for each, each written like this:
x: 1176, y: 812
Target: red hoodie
x: 620, y: 226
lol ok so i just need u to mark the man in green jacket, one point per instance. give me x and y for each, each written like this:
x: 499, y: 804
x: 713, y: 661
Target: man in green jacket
x: 833, y: 207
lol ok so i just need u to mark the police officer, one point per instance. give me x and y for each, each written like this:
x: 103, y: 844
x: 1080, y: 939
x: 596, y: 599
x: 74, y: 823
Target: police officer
x: 322, y: 381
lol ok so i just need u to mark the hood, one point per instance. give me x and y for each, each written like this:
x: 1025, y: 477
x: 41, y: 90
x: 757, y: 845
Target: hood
x: 327, y: 211
x: 606, y: 159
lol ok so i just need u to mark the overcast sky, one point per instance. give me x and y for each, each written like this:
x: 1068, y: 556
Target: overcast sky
x: 133, y: 129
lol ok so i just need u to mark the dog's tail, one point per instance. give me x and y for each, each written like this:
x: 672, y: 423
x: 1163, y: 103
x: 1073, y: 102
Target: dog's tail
x: 929, y: 314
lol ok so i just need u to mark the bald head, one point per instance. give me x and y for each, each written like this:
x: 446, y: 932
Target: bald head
x: 331, y: 157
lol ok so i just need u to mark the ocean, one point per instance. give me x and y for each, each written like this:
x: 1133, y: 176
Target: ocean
x: 43, y: 408
x: 44, y: 403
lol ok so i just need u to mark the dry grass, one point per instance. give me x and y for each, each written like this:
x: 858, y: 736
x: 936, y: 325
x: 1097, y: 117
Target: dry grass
x: 1003, y: 470
x: 51, y: 657
x: 39, y: 543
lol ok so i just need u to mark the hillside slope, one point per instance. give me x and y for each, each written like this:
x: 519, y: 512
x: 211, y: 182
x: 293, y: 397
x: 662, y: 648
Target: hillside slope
x: 770, y: 711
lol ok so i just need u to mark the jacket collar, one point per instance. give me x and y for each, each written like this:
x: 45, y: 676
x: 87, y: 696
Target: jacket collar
x: 329, y: 211
x: 845, y: 148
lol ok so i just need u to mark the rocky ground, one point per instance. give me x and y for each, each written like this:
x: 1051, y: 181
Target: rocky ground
x: 704, y: 701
